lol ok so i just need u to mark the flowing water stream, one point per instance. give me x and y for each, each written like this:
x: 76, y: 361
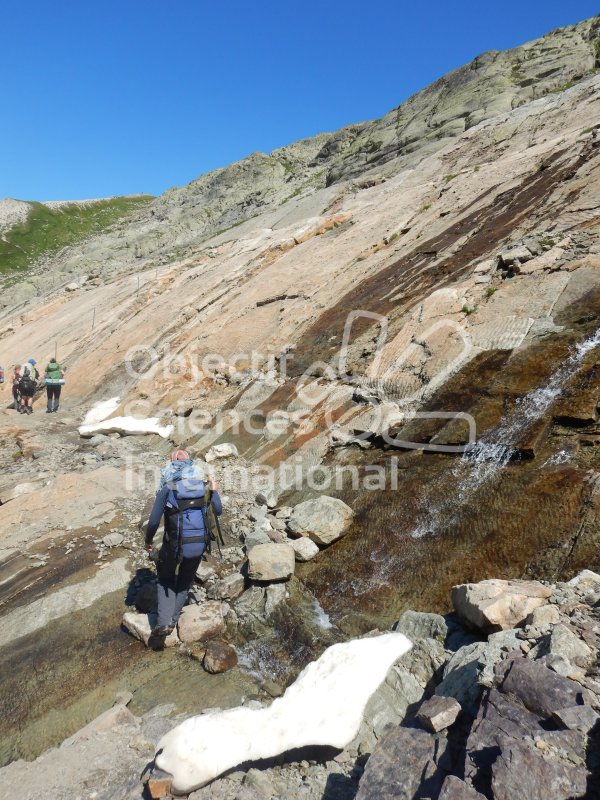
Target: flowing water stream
x: 483, y: 460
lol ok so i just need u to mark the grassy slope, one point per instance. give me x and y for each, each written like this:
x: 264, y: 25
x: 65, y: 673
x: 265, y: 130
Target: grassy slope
x: 46, y: 230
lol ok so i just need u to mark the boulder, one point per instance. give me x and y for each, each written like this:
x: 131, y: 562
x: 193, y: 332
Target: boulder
x: 438, y: 713
x: 139, y: 626
x: 200, y: 622
x: 495, y: 605
x: 422, y: 625
x: 539, y: 689
x: 217, y: 451
x: 228, y: 588
x: 304, y: 548
x: 324, y: 520
x: 267, y: 497
x: 219, y: 657
x: 521, y: 771
x: 256, y: 537
x: 586, y: 581
x: 563, y: 642
x: 271, y: 562
x: 514, y: 255
x: 403, y: 766
x: 472, y: 668
x: 576, y: 718
x: 543, y: 617
x: 276, y: 594
x: 205, y: 572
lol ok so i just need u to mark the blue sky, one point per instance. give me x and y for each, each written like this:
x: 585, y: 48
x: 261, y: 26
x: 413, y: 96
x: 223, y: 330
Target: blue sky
x: 104, y: 98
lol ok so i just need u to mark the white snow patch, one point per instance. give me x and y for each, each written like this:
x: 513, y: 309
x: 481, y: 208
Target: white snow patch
x: 127, y: 426
x: 100, y: 411
x: 324, y: 706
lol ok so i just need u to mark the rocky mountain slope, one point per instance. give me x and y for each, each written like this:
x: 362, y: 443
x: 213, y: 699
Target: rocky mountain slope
x: 401, y: 319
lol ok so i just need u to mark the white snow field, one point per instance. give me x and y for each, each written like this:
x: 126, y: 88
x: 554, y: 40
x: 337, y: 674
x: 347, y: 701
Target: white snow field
x: 324, y: 706
x: 101, y: 410
x: 127, y: 426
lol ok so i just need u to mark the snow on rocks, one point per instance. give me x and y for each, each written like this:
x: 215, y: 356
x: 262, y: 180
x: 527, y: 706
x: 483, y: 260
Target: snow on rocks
x: 495, y: 605
x: 324, y: 520
x: 313, y: 711
x: 271, y: 562
x: 101, y: 411
x: 127, y: 426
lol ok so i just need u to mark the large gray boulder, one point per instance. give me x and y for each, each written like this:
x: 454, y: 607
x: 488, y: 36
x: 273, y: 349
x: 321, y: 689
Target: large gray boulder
x: 422, y: 624
x: 271, y: 562
x: 496, y: 605
x: 324, y: 519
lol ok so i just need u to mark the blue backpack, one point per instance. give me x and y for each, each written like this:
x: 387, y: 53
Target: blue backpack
x: 187, y: 525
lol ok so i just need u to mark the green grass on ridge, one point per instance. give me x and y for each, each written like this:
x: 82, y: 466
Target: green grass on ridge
x: 48, y: 230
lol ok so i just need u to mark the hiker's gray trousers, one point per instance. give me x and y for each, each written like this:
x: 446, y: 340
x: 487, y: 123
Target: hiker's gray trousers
x: 173, y: 589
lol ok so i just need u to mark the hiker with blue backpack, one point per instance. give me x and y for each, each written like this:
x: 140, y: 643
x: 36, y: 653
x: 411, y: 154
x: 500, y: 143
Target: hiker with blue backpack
x: 190, y: 508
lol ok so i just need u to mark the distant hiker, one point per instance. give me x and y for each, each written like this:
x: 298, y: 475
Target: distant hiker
x: 16, y: 392
x: 54, y: 379
x: 1, y: 374
x: 190, y: 509
x: 27, y: 386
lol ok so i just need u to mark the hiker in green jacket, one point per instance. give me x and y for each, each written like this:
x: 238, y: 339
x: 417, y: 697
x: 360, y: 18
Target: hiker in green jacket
x: 54, y: 379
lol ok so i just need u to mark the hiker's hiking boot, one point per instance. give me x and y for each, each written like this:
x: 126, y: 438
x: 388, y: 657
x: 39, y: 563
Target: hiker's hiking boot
x: 158, y: 636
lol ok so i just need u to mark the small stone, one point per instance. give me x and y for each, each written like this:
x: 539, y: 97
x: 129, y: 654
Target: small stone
x: 217, y: 451
x: 205, y: 572
x: 439, y: 713
x: 113, y: 539
x: 159, y: 784
x: 257, y: 513
x: 543, y: 617
x: 305, y: 549
x: 219, y: 657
